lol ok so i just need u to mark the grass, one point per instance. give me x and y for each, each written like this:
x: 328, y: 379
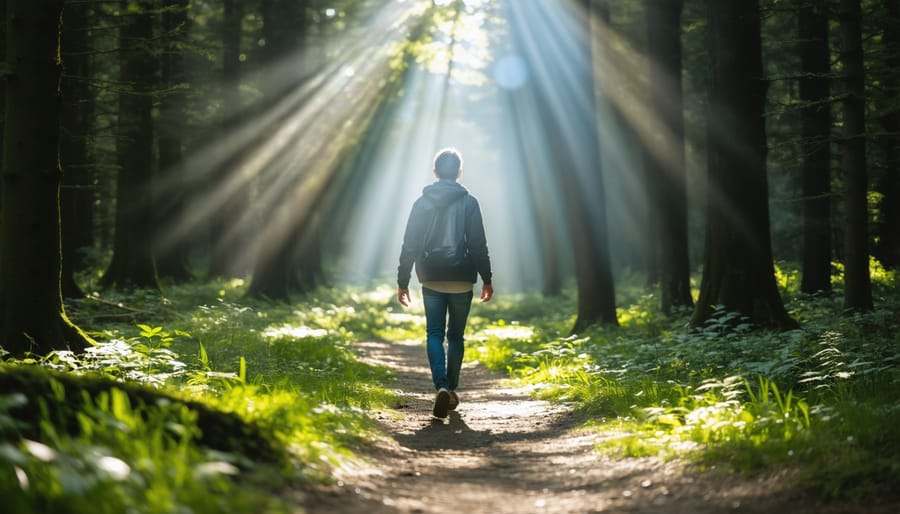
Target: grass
x: 822, y: 399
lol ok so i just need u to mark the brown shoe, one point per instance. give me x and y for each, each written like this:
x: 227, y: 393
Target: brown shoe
x: 454, y: 401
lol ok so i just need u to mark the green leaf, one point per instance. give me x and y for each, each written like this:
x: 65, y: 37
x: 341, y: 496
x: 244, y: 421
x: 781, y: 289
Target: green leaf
x: 204, y: 357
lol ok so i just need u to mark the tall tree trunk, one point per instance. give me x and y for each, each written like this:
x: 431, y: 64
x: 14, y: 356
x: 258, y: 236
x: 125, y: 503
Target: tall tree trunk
x: 738, y: 272
x: 227, y: 230
x: 669, y: 176
x: 889, y: 186
x: 274, y: 271
x: 132, y: 262
x: 169, y: 202
x: 32, y: 316
x: 3, y: 79
x: 76, y: 197
x: 593, y: 269
x: 857, y: 285
x: 529, y: 145
x: 309, y: 255
x: 815, y: 92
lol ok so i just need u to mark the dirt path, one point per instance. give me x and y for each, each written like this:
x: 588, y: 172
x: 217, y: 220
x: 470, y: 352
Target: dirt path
x: 503, y: 452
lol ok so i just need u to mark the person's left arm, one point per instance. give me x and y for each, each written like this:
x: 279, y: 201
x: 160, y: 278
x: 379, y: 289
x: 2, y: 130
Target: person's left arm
x: 478, y: 249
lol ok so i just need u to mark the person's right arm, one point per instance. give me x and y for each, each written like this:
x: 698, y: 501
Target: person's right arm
x: 487, y: 292
x: 478, y: 249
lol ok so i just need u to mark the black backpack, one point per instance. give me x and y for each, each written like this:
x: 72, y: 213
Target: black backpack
x: 444, y: 245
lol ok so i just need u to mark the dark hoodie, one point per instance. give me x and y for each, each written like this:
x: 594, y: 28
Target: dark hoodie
x: 444, y: 202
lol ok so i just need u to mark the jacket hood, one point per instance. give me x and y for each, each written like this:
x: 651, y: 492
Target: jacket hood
x: 442, y: 193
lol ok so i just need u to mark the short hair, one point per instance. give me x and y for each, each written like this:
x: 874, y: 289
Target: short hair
x: 447, y: 163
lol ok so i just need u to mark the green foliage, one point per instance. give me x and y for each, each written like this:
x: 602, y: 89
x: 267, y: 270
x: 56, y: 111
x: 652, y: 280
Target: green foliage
x: 282, y: 372
x: 821, y: 398
x: 124, y: 458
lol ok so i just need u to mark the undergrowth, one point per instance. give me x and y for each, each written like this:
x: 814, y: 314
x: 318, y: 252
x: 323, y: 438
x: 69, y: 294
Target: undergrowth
x: 287, y: 369
x: 822, y: 399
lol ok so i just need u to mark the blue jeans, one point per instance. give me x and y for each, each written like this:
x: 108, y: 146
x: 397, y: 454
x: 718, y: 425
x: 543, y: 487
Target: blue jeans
x: 445, y: 314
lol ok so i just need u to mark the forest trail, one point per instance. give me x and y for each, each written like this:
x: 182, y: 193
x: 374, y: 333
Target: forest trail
x: 503, y: 452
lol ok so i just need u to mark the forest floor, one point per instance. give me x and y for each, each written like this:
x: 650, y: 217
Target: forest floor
x: 503, y: 452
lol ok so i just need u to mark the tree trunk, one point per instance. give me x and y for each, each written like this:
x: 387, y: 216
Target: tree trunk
x: 275, y: 268
x: 227, y: 230
x: 567, y: 118
x: 132, y: 262
x: 2, y: 80
x: 310, y: 254
x: 171, y: 250
x: 584, y: 187
x: 32, y: 316
x: 857, y: 286
x: 889, y: 186
x: 76, y: 196
x: 544, y: 194
x: 815, y: 92
x: 670, y: 193
x: 738, y: 273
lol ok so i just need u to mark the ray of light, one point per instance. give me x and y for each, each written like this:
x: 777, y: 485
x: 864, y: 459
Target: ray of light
x: 284, y: 151
x: 474, y: 86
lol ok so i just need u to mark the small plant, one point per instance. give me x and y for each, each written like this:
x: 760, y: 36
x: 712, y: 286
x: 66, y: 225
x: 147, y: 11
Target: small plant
x: 146, y: 358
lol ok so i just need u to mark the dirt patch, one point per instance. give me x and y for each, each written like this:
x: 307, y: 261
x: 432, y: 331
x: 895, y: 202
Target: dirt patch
x: 504, y: 452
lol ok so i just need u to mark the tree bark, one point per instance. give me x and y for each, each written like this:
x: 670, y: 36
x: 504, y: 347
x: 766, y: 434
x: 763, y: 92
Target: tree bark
x: 670, y: 193
x: 889, y: 186
x: 227, y: 230
x: 275, y: 268
x: 3, y: 22
x: 76, y: 196
x: 738, y: 273
x: 815, y: 92
x: 857, y: 285
x: 169, y: 201
x: 132, y: 262
x: 593, y: 269
x: 32, y: 316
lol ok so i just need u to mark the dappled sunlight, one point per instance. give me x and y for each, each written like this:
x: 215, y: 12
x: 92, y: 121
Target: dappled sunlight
x: 294, y: 332
x: 518, y: 332
x: 381, y: 294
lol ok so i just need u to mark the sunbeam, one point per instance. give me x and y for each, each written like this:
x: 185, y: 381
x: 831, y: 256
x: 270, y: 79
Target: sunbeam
x: 489, y: 77
x: 286, y: 151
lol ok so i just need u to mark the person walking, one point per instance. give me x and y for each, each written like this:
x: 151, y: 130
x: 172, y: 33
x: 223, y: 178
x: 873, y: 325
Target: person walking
x: 445, y: 240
